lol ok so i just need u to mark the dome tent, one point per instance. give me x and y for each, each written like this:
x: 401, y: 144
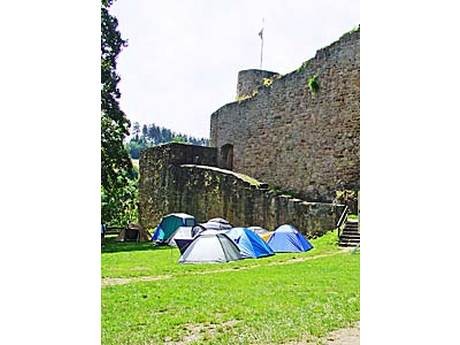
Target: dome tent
x: 169, y: 225
x: 287, y: 238
x: 249, y: 243
x: 213, y: 225
x: 211, y: 248
x: 263, y: 233
x: 133, y: 232
x: 182, y: 233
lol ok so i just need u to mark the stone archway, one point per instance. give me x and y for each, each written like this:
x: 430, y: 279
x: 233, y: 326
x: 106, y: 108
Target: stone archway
x: 226, y: 156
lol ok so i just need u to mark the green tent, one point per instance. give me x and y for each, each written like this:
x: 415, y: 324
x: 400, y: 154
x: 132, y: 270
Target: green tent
x: 169, y: 224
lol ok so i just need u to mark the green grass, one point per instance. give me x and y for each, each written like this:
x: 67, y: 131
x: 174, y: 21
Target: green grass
x: 249, y: 179
x: 353, y: 217
x: 272, y: 300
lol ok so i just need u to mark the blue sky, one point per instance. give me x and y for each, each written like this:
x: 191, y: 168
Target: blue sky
x: 183, y: 57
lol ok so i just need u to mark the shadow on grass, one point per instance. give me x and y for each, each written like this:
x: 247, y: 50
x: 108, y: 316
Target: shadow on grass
x: 112, y: 246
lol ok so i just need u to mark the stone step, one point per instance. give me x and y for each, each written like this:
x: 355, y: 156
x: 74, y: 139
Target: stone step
x: 354, y: 226
x: 348, y: 239
x: 348, y: 244
x: 350, y: 236
x: 348, y: 231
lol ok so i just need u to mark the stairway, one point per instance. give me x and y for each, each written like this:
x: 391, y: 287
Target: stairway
x: 350, y: 235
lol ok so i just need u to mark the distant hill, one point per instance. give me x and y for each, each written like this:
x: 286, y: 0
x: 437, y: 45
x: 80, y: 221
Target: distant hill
x: 150, y: 135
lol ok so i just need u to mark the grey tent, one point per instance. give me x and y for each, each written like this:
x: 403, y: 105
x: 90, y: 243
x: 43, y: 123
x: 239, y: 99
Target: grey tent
x: 182, y: 232
x: 220, y: 220
x: 215, y: 224
x: 211, y: 248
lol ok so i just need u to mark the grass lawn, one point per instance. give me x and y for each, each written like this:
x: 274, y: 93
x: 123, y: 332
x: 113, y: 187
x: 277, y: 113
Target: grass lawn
x: 272, y: 300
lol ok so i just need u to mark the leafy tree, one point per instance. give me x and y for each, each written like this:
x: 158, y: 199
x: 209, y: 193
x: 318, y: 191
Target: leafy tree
x: 118, y: 196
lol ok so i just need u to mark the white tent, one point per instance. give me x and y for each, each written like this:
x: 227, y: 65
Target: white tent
x: 211, y: 248
x: 182, y: 232
x: 215, y: 224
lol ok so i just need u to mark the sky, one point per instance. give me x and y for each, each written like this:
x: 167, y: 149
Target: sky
x: 183, y: 56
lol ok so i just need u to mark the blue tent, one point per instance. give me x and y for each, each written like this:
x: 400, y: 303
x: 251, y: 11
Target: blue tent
x: 169, y: 224
x: 249, y: 243
x: 288, y: 239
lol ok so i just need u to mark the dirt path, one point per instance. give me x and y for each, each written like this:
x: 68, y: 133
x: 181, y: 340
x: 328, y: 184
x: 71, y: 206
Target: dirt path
x: 343, y: 336
x: 194, y: 332
x: 122, y: 281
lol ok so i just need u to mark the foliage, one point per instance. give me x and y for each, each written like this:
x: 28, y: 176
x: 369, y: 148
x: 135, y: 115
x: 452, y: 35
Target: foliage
x: 120, y: 207
x: 277, y: 190
x: 353, y: 217
x: 117, y: 175
x: 153, y: 135
x: 317, y: 292
x: 178, y: 139
x: 245, y: 97
x: 302, y: 67
x: 356, y: 28
x: 267, y: 82
x: 313, y: 85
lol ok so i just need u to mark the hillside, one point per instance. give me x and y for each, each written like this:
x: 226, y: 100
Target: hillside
x: 144, y: 136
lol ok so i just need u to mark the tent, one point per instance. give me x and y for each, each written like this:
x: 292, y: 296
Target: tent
x: 183, y: 243
x: 288, y: 239
x: 250, y: 244
x: 169, y: 224
x: 215, y: 224
x: 211, y: 248
x: 263, y: 233
x: 220, y: 220
x: 266, y: 236
x: 258, y: 230
x: 133, y: 232
x: 182, y: 232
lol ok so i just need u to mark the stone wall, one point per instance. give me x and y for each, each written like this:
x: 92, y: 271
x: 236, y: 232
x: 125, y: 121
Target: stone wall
x: 296, y: 139
x: 171, y: 182
x: 250, y: 80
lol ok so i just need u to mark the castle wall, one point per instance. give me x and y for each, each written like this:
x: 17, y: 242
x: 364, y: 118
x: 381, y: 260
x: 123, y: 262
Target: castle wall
x: 169, y: 183
x: 250, y: 80
x: 292, y: 138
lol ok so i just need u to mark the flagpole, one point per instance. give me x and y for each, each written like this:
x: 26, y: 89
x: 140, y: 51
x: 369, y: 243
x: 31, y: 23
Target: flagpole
x: 261, y: 52
x: 262, y: 43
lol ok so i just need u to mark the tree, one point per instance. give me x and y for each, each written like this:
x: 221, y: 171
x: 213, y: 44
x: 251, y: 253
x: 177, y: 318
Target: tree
x: 178, y: 139
x: 136, y: 130
x: 117, y: 174
x: 145, y: 131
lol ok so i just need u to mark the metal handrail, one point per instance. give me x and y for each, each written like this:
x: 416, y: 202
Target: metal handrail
x: 342, y: 220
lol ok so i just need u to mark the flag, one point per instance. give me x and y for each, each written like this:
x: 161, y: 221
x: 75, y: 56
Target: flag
x: 261, y: 34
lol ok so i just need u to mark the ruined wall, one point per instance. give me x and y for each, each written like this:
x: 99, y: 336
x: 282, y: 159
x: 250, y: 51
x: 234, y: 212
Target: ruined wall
x: 169, y: 183
x: 250, y: 80
x: 290, y: 137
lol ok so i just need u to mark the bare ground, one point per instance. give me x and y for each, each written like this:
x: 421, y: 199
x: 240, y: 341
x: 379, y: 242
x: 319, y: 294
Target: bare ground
x: 194, y: 332
x: 343, y: 336
x: 199, y: 331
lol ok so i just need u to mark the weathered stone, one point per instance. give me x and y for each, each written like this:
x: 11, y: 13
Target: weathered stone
x: 301, y: 140
x: 167, y: 185
x: 288, y: 136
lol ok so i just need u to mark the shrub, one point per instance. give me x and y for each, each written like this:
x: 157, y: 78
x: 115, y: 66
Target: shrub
x: 313, y: 85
